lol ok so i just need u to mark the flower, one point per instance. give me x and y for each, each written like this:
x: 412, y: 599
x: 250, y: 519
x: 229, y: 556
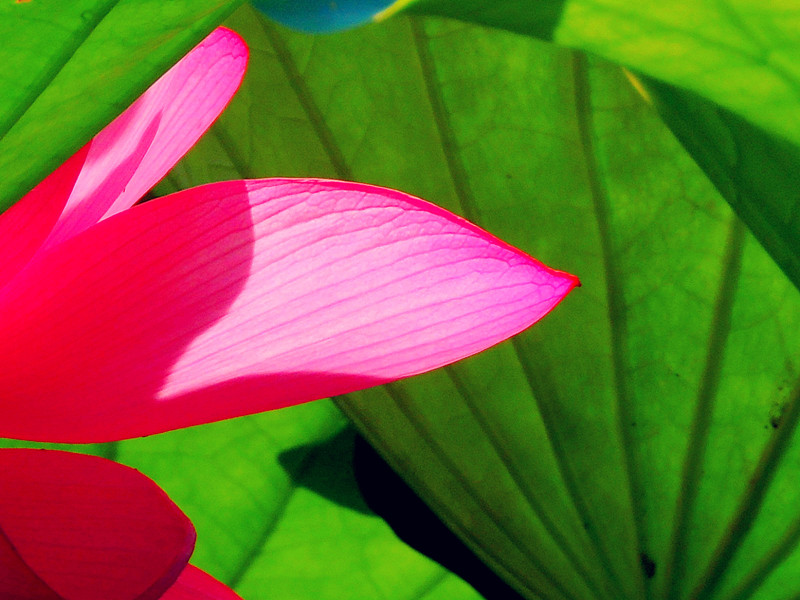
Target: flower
x: 231, y: 298
x: 77, y: 527
x: 227, y: 299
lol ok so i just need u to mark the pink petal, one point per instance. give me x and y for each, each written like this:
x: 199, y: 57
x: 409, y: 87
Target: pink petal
x: 140, y: 146
x: 79, y: 527
x: 17, y: 581
x: 194, y: 584
x: 240, y: 297
x: 24, y: 226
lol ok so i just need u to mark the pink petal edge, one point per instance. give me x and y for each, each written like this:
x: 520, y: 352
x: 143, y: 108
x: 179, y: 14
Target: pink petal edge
x: 194, y: 584
x: 140, y: 146
x: 244, y: 296
x: 132, y: 153
x: 78, y: 527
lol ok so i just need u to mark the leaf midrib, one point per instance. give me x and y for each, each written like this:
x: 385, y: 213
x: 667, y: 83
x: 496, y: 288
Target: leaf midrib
x: 466, y: 200
x: 617, y: 316
x: 750, y: 506
x: 305, y: 97
x: 404, y: 405
x: 523, y: 486
x: 704, y: 407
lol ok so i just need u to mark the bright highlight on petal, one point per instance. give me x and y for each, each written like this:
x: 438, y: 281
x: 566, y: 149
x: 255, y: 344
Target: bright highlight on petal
x: 76, y: 527
x: 140, y: 146
x: 241, y: 297
x: 130, y: 155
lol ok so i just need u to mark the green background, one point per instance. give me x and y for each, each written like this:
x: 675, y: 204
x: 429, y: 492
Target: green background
x: 640, y: 442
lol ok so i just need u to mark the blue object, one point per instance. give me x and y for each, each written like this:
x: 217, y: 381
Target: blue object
x: 321, y: 15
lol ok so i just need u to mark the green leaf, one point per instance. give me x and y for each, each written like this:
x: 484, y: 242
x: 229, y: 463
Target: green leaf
x: 757, y: 173
x: 641, y: 441
x: 277, y: 511
x: 68, y: 68
x: 738, y: 55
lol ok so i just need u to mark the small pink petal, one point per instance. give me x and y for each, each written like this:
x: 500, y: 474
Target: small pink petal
x: 140, y: 146
x: 85, y: 528
x: 240, y: 297
x: 194, y: 584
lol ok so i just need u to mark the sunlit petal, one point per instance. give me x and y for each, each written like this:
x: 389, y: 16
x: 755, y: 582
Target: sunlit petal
x: 239, y: 297
x: 138, y: 148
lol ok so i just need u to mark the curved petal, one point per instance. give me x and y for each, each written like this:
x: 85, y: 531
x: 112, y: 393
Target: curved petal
x: 140, y: 146
x: 17, y: 580
x: 246, y: 296
x: 25, y: 225
x: 80, y: 527
x: 194, y: 584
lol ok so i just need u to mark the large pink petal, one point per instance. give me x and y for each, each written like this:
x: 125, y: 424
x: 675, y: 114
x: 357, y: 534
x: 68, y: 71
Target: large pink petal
x: 138, y: 148
x: 77, y: 527
x: 240, y: 297
x: 194, y: 584
x: 17, y: 580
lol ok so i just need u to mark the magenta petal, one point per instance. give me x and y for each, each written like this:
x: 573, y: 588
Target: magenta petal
x: 17, y: 581
x: 24, y: 226
x: 137, y: 149
x: 240, y: 297
x: 194, y: 584
x: 77, y: 527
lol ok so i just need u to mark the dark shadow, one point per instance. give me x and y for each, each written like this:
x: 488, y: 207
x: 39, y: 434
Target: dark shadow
x: 327, y: 469
x: 387, y: 494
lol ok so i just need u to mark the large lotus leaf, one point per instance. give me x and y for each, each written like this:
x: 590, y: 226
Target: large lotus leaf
x: 277, y: 510
x: 757, y: 172
x: 640, y: 441
x: 68, y: 68
x: 740, y: 55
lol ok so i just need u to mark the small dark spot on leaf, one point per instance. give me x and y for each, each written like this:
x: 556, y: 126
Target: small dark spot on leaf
x: 776, y: 414
x: 633, y: 423
x: 648, y: 565
x: 508, y: 175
